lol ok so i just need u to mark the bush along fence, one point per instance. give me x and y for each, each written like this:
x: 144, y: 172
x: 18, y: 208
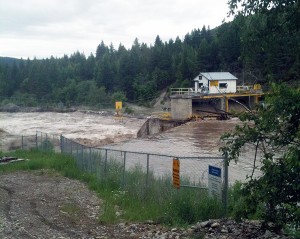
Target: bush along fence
x: 145, y: 174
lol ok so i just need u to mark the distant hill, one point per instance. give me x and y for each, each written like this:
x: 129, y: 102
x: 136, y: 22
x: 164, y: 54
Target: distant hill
x: 8, y: 60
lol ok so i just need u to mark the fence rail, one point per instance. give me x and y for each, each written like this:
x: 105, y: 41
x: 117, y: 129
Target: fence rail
x: 104, y: 162
x: 182, y: 91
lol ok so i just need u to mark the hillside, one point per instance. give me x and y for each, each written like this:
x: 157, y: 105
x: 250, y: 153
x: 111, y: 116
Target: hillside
x: 8, y: 60
x: 260, y: 48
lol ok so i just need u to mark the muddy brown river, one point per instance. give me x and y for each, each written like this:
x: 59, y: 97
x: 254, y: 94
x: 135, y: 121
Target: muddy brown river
x: 194, y: 139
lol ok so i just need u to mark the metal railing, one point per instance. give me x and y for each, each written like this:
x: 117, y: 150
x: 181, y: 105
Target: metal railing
x: 182, y: 91
x: 256, y: 88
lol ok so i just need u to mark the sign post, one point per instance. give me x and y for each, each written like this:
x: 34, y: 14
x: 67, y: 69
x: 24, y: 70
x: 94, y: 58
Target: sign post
x: 118, y: 107
x: 215, y: 182
x: 176, y: 173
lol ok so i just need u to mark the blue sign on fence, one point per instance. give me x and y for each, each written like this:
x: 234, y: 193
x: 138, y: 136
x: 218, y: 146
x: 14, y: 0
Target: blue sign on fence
x: 214, y: 171
x: 214, y: 182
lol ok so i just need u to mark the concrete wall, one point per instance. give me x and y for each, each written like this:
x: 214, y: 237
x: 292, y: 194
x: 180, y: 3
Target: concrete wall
x: 151, y: 126
x: 253, y: 101
x: 156, y: 126
x: 181, y: 109
x: 223, y: 104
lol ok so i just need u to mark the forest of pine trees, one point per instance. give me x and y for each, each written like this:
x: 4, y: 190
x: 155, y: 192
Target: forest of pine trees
x: 258, y: 48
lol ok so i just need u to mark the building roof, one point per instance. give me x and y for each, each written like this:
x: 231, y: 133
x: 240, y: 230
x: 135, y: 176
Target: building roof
x: 218, y: 76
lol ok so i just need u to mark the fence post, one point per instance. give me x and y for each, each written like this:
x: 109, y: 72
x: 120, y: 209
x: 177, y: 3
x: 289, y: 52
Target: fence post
x: 147, y: 179
x: 82, y: 158
x: 77, y: 153
x: 105, y: 162
x: 36, y: 140
x: 225, y: 189
x: 90, y: 161
x: 61, y: 144
x: 124, y: 166
x: 22, y: 142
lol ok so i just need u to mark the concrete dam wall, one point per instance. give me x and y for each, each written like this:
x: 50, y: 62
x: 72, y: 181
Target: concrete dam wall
x: 156, y: 126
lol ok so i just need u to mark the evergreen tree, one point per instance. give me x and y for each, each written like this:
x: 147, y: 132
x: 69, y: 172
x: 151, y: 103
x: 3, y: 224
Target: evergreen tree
x: 101, y: 50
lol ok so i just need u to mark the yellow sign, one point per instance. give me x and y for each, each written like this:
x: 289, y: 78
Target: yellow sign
x: 176, y: 173
x: 118, y: 105
x: 214, y: 83
x: 257, y: 86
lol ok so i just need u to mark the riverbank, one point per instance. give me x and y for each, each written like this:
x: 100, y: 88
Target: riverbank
x: 44, y: 204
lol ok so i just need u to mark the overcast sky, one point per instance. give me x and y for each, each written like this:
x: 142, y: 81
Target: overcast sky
x: 44, y: 28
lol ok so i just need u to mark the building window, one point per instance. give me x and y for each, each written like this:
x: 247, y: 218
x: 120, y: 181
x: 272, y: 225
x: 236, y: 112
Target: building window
x: 200, y: 77
x: 223, y: 85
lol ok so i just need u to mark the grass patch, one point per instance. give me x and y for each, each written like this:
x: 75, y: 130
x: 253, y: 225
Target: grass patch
x: 71, y: 211
x: 293, y: 232
x: 127, y: 195
x: 42, y: 160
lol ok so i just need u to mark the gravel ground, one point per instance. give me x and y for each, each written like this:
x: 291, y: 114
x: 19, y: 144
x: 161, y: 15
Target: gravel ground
x: 46, y: 205
x: 42, y: 204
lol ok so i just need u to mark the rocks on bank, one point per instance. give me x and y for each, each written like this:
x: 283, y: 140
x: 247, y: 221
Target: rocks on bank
x: 211, y: 229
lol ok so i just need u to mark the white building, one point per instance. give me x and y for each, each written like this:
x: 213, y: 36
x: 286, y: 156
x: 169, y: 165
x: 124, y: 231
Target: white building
x: 215, y: 83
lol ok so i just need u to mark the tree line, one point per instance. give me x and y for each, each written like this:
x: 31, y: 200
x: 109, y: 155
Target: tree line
x: 257, y: 48
x: 273, y: 129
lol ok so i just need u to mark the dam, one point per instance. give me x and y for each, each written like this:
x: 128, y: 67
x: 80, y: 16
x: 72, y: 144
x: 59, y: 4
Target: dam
x: 213, y: 93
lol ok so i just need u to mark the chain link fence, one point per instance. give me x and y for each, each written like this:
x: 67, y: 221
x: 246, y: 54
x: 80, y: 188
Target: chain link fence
x: 133, y: 170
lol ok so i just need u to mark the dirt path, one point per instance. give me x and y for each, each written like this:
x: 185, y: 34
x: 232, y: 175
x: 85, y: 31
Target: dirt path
x: 45, y: 205
x: 42, y: 204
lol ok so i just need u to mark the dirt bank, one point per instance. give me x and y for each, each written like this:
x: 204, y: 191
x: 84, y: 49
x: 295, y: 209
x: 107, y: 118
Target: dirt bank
x: 44, y: 205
